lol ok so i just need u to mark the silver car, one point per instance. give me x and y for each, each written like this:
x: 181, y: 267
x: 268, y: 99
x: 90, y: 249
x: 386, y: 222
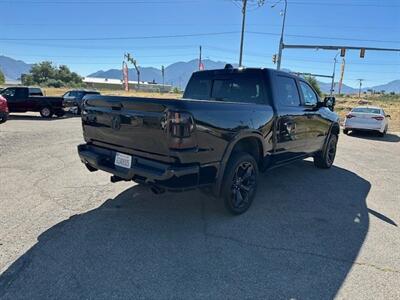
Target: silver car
x: 366, y: 119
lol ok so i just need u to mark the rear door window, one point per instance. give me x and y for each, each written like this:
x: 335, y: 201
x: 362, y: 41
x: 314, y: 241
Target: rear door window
x: 288, y: 94
x: 238, y: 88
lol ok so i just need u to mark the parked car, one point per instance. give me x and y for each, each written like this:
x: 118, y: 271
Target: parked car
x: 231, y: 124
x: 3, y: 109
x: 24, y: 99
x: 73, y: 99
x: 367, y: 119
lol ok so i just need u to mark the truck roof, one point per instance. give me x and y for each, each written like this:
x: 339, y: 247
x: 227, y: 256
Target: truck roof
x: 230, y: 70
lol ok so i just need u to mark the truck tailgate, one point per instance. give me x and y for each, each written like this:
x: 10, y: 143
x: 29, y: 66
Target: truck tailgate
x: 128, y: 123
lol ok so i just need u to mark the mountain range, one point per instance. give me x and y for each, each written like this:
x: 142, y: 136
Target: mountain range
x: 176, y: 74
x: 12, y: 69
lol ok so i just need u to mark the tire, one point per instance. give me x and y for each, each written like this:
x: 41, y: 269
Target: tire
x: 240, y: 183
x: 382, y: 134
x: 46, y: 112
x: 3, y: 119
x: 324, y: 159
x: 60, y: 114
x: 345, y: 131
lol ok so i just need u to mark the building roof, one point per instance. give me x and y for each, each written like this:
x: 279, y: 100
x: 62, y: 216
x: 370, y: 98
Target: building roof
x: 116, y: 81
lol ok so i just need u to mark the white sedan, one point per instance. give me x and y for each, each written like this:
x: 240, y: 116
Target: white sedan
x: 368, y: 119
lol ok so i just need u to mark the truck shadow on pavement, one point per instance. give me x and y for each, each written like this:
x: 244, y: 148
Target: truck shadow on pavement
x: 299, y: 240
x: 21, y: 117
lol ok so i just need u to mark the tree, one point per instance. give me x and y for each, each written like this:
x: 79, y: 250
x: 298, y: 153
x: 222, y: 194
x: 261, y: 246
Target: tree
x: 314, y: 83
x: 46, y: 74
x: 2, y: 78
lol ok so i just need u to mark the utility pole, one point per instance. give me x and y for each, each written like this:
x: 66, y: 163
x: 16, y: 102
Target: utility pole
x: 341, y: 76
x: 333, y: 74
x: 242, y: 36
x: 163, y: 76
x: 201, y: 66
x: 125, y: 75
x: 359, y: 89
x: 130, y: 59
x: 278, y: 66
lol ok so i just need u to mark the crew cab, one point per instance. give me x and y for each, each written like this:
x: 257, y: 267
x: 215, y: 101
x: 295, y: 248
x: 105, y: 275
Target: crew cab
x: 230, y: 125
x: 24, y: 99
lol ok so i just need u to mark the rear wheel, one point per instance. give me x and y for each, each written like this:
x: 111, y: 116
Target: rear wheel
x: 324, y: 159
x: 3, y: 119
x: 240, y: 183
x: 46, y: 112
x: 60, y: 114
x: 382, y: 134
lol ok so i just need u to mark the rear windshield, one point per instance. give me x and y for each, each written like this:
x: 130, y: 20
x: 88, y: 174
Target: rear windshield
x: 35, y: 92
x: 366, y: 110
x: 237, y: 87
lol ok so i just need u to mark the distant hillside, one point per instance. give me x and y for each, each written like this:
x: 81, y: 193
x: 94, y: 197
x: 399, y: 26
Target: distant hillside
x: 392, y: 86
x: 326, y: 88
x: 177, y: 74
x: 12, y: 68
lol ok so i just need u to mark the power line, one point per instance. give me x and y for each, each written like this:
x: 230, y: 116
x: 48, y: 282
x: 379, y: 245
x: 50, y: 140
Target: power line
x: 99, y: 2
x: 190, y: 35
x: 324, y: 37
x: 196, y: 24
x: 120, y: 38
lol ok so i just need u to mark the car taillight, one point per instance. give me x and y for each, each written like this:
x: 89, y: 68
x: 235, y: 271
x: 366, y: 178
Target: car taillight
x: 180, y: 128
x: 349, y: 116
x: 378, y: 118
x: 181, y: 124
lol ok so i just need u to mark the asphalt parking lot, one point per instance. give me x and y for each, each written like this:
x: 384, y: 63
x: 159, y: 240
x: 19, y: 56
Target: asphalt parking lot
x: 310, y: 234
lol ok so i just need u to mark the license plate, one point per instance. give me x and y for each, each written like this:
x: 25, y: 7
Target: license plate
x: 123, y: 160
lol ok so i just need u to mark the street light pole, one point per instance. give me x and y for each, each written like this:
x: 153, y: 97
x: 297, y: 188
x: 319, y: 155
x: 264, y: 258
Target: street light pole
x: 333, y: 74
x: 278, y: 65
x: 242, y: 37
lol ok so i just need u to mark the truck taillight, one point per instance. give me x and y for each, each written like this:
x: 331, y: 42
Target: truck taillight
x: 180, y: 129
x: 180, y: 124
x: 378, y: 118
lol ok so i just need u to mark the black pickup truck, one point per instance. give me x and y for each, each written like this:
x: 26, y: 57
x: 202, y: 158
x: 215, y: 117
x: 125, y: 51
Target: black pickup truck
x: 24, y: 99
x: 230, y: 124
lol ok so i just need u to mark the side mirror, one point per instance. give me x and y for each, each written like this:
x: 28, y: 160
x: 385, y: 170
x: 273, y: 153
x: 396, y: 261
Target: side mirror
x: 330, y: 102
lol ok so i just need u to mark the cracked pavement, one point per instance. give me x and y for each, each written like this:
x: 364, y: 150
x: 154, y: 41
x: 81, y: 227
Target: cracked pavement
x: 310, y: 234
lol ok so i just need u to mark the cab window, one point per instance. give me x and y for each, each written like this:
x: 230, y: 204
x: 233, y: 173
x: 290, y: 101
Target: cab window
x: 288, y: 94
x: 238, y: 88
x: 8, y: 92
x: 310, y: 98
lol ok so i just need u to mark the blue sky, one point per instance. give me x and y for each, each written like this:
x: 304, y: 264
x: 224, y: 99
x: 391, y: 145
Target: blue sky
x: 66, y: 32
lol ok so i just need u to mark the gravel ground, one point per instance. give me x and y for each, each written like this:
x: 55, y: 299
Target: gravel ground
x: 310, y: 234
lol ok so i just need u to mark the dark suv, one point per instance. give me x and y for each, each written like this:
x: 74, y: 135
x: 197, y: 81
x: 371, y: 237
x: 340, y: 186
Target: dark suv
x: 74, y: 98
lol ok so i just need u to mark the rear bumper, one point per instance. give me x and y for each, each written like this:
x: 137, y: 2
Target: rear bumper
x: 143, y: 170
x: 68, y: 104
x: 364, y: 126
